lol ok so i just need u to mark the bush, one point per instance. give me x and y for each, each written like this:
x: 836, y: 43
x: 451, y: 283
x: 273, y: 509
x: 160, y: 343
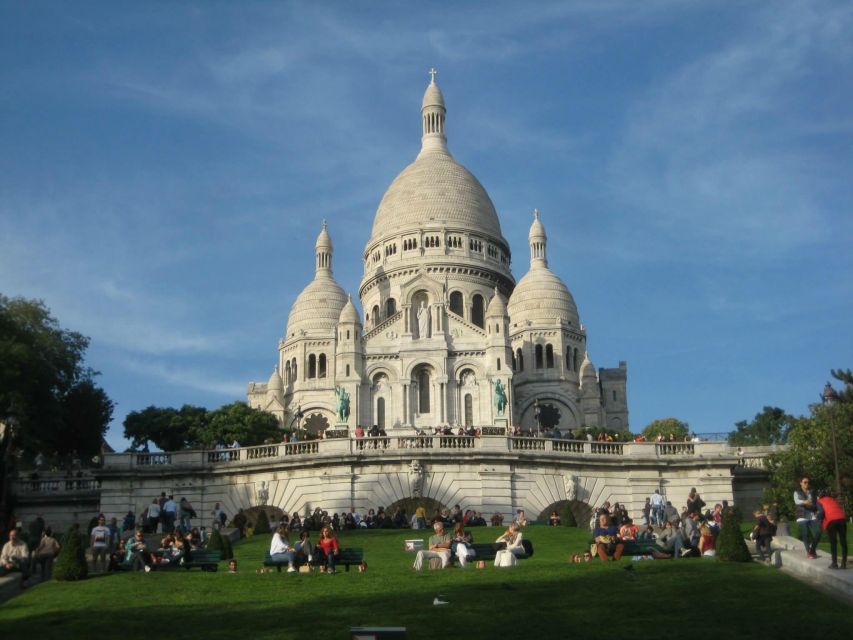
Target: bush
x: 71, y: 562
x: 569, y: 519
x: 262, y: 524
x: 227, y: 551
x: 731, y: 546
x: 215, y: 543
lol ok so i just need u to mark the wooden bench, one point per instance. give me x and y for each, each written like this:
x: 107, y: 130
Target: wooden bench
x: 486, y: 551
x: 204, y: 560
x: 345, y: 558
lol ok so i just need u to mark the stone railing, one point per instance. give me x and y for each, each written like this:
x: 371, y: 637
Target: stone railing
x: 313, y: 450
x: 57, y: 486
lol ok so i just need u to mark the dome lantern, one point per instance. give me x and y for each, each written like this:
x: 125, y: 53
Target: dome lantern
x: 432, y: 117
x: 538, y: 242
x: 323, y: 250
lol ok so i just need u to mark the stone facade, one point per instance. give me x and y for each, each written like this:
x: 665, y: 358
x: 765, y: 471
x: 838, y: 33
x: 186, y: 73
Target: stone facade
x: 444, y: 320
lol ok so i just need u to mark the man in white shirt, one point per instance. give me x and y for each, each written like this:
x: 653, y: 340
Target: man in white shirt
x: 101, y: 539
x: 15, y: 556
x: 658, y: 504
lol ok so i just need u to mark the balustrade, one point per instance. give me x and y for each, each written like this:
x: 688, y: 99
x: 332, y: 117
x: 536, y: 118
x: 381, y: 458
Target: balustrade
x: 527, y: 444
x: 299, y: 448
x: 151, y: 459
x: 567, y: 446
x: 607, y: 448
x: 58, y: 485
x: 674, y: 448
x: 456, y: 442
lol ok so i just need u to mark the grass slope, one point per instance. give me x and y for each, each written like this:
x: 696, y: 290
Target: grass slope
x: 543, y: 596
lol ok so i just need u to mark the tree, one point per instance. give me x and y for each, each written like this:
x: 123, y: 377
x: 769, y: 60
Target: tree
x: 262, y: 524
x: 240, y: 422
x: 169, y: 429
x: 731, y: 546
x: 87, y: 411
x: 666, y: 426
x: 71, y: 562
x: 810, y: 452
x: 768, y: 427
x: 42, y: 365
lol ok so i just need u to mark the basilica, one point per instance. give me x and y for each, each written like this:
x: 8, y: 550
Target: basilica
x: 448, y: 336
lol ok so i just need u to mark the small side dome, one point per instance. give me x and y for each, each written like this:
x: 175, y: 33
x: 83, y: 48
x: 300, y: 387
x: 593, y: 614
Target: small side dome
x: 587, y: 368
x: 349, y: 313
x: 275, y: 383
x: 317, y: 308
x: 497, y: 306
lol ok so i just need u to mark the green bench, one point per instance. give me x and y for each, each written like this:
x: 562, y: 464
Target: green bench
x: 345, y: 558
x: 204, y: 560
x: 486, y: 551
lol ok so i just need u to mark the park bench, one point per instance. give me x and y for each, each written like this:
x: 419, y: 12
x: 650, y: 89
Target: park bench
x: 345, y: 558
x: 487, y: 552
x: 633, y: 547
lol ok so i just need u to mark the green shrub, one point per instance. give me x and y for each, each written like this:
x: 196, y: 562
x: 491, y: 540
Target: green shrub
x: 215, y: 543
x: 569, y: 519
x: 227, y: 551
x: 731, y: 546
x: 262, y: 524
x: 71, y: 562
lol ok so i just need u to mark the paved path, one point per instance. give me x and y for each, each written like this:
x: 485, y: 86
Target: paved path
x: 789, y: 555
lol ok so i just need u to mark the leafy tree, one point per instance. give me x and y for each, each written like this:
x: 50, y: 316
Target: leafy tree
x: 169, y: 429
x: 666, y: 426
x: 768, y: 427
x: 240, y: 422
x: 810, y: 450
x: 71, y: 562
x: 44, y: 384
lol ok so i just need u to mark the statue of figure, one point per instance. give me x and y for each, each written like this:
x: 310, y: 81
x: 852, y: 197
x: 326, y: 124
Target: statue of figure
x: 263, y: 493
x: 416, y: 470
x: 571, y: 483
x: 341, y: 403
x: 500, y: 397
x: 423, y: 320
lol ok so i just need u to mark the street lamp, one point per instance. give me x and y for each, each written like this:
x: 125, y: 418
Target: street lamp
x: 830, y: 398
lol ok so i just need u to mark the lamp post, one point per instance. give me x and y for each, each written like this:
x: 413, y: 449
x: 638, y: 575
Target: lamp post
x: 536, y: 413
x: 830, y: 398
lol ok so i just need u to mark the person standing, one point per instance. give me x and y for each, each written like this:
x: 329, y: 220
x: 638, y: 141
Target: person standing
x: 807, y: 520
x: 46, y: 553
x: 835, y: 524
x: 658, y: 504
x: 154, y: 516
x: 169, y: 514
x: 100, y: 541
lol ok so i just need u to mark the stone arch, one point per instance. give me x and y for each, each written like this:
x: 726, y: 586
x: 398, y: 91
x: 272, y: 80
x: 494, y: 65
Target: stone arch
x: 457, y: 303
x: 273, y: 515
x: 409, y: 371
x: 478, y: 310
x: 570, y: 417
x: 376, y: 369
x: 430, y: 506
x: 461, y: 365
x: 580, y: 510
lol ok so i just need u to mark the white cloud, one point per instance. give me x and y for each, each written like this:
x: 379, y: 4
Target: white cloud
x: 187, y: 377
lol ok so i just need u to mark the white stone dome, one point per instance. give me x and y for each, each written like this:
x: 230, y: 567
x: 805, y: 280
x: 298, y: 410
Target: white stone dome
x: 317, y: 308
x: 349, y: 313
x: 435, y: 190
x: 541, y: 297
x: 497, y: 306
x: 275, y: 382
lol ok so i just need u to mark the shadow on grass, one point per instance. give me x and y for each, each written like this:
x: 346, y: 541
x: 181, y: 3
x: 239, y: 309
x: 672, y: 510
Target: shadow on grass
x: 590, y: 601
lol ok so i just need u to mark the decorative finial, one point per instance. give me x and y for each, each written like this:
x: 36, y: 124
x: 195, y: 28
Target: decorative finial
x: 324, y: 223
x: 535, y: 214
x: 432, y: 74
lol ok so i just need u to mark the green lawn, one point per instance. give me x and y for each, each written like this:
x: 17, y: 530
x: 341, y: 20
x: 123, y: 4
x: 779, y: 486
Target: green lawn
x: 542, y: 596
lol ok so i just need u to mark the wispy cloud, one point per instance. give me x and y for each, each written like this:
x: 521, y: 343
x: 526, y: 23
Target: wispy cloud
x: 187, y: 377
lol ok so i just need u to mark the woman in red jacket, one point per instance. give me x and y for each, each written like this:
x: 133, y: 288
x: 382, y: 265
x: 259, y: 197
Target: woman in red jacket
x: 835, y: 524
x: 328, y: 545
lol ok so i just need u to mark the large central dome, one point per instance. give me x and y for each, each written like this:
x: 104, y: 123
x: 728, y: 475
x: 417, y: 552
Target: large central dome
x: 435, y: 190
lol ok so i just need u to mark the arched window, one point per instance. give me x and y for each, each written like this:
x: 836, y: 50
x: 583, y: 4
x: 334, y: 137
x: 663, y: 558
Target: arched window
x: 380, y: 413
x: 499, y: 364
x: 347, y: 370
x: 347, y: 334
x: 321, y: 366
x: 519, y: 359
x: 477, y: 308
x: 293, y: 370
x: 312, y: 366
x: 287, y: 372
x: 577, y: 364
x: 457, y: 304
x: 375, y: 314
x: 390, y: 307
x: 514, y: 362
x: 568, y: 358
x: 423, y: 391
x: 538, y: 354
x: 469, y: 410
x: 549, y: 356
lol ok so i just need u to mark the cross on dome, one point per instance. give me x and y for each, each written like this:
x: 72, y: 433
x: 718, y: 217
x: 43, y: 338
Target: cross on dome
x: 432, y: 74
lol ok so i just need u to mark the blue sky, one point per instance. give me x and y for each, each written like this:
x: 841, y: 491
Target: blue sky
x: 165, y: 167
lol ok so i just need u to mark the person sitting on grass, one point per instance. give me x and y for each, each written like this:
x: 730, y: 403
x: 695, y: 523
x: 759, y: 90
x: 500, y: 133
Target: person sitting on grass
x: 232, y: 566
x: 509, y: 547
x: 136, y: 553
x: 707, y: 541
x: 280, y: 549
x: 648, y: 534
x: 628, y: 530
x: 607, y: 542
x: 439, y: 547
x: 328, y: 549
x: 520, y: 518
x: 461, y: 545
x: 15, y: 556
x: 554, y: 519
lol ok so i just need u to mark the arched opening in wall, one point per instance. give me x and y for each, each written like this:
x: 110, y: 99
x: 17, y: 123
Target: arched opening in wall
x: 273, y: 514
x: 423, y: 381
x: 420, y: 315
x: 380, y: 412
x: 457, y: 304
x: 469, y: 410
x: 569, y: 358
x: 315, y: 422
x: 549, y: 356
x: 514, y: 363
x: 375, y: 314
x: 293, y: 370
x: 321, y: 366
x: 478, y: 306
x: 347, y: 373
x: 519, y: 359
x: 312, y: 366
x: 538, y: 354
x: 287, y: 372
x: 581, y: 513
x: 577, y: 362
x: 409, y: 505
x: 499, y: 364
x: 390, y: 307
